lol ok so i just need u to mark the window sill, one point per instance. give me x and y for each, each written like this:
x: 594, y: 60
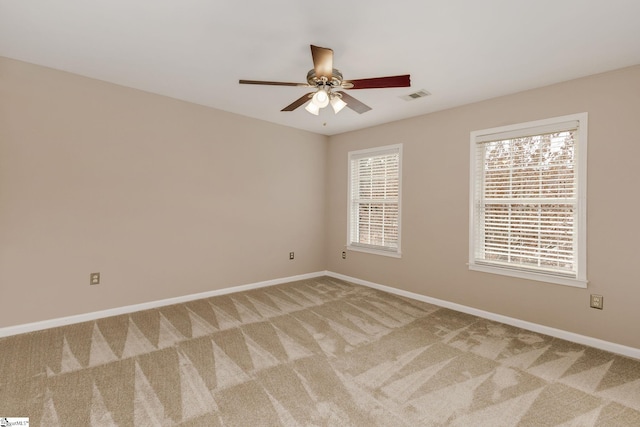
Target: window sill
x: 374, y: 251
x: 566, y: 281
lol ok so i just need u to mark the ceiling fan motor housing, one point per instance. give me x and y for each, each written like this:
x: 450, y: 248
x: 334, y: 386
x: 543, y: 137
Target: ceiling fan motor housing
x: 335, y: 81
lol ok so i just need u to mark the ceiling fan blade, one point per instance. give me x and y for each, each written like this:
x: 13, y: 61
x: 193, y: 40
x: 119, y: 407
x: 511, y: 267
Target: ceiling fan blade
x: 322, y: 61
x: 354, y: 104
x: 379, y: 82
x: 259, y: 82
x: 298, y: 102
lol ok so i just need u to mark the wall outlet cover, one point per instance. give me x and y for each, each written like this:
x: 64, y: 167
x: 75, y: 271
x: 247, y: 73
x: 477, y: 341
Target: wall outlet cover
x: 94, y: 279
x: 596, y: 301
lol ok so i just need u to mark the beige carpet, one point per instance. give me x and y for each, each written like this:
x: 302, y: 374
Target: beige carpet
x: 320, y: 352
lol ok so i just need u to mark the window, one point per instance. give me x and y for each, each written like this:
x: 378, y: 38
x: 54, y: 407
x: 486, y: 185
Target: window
x: 528, y: 200
x: 374, y: 200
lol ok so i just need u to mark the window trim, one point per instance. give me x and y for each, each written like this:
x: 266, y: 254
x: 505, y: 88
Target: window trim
x: 540, y: 126
x: 373, y: 152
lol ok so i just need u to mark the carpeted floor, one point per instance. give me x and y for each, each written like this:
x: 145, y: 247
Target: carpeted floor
x: 319, y: 352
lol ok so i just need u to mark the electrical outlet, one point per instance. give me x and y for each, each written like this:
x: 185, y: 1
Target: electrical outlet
x: 94, y: 279
x: 344, y: 254
x: 596, y: 301
x: 291, y: 255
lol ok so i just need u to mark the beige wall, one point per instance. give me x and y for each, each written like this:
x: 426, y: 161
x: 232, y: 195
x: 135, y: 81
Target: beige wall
x: 435, y: 211
x: 163, y: 197
x: 167, y: 198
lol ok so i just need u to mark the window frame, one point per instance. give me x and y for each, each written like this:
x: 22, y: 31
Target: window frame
x: 580, y: 218
x: 372, y: 153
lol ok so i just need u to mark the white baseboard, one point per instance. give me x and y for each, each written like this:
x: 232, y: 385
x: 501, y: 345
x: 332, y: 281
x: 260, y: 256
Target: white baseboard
x: 62, y: 321
x: 546, y: 330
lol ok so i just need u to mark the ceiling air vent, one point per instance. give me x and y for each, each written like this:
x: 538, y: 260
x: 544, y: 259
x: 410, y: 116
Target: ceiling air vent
x: 415, y: 95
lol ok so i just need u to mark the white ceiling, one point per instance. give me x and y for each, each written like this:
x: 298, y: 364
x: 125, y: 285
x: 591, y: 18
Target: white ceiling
x: 461, y: 51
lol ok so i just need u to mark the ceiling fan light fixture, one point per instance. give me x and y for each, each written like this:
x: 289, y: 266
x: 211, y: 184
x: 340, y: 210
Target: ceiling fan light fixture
x: 320, y: 98
x: 312, y: 108
x: 337, y: 104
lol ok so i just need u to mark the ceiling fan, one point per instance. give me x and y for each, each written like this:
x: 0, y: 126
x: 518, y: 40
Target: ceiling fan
x: 326, y: 79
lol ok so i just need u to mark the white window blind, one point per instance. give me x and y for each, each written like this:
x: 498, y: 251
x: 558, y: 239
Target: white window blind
x: 374, y: 200
x: 527, y: 212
